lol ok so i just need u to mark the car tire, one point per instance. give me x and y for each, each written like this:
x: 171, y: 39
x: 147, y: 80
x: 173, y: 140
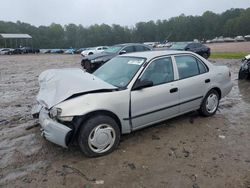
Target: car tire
x: 99, y: 135
x: 90, y: 53
x: 210, y: 103
x: 242, y: 75
x: 205, y: 55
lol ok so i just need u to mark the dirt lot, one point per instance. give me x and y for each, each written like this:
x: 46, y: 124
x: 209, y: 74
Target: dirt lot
x: 230, y: 47
x: 188, y: 151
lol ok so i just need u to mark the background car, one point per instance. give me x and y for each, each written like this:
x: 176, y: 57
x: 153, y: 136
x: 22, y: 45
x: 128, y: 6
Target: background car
x: 56, y: 51
x: 26, y: 50
x: 94, y: 50
x: 17, y: 51
x: 244, y: 72
x: 6, y: 51
x: 195, y: 47
x: 127, y: 93
x: 70, y: 51
x: 80, y: 50
x: 93, y: 62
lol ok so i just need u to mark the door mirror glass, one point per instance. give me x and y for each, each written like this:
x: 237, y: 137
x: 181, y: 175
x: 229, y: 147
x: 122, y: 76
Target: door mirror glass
x: 122, y: 52
x: 140, y: 84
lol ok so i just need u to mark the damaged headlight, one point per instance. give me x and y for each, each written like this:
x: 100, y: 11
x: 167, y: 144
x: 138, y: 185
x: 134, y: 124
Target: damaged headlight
x: 96, y: 60
x: 56, y: 113
x: 66, y: 118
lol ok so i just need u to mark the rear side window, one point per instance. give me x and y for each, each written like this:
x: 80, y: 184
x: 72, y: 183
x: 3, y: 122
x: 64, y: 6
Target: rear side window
x: 202, y: 67
x: 187, y: 66
x: 141, y: 48
x: 129, y: 49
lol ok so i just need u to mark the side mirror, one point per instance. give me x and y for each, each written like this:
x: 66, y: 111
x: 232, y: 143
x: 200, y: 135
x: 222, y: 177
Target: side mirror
x: 140, y: 84
x: 122, y: 52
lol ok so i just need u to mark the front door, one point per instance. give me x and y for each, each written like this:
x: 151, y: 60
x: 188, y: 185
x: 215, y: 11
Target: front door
x: 158, y: 102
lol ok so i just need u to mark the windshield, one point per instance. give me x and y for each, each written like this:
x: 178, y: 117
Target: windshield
x: 179, y: 45
x: 119, y: 71
x: 113, y: 49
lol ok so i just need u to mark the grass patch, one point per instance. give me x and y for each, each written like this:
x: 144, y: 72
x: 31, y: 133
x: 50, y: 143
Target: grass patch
x: 228, y: 55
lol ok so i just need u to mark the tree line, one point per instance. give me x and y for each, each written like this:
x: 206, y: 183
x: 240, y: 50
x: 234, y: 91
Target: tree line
x: 230, y: 23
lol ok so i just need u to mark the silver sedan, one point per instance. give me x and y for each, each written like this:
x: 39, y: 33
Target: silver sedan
x: 127, y: 93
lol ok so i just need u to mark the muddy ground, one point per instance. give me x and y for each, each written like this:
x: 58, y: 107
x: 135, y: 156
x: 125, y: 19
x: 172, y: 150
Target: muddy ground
x: 188, y: 151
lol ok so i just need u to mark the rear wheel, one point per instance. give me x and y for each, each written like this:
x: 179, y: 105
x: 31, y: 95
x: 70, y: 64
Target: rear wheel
x: 99, y: 135
x: 210, y: 103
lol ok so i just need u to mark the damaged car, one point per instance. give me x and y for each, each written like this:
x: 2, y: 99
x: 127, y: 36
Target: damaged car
x: 244, y: 72
x: 129, y: 92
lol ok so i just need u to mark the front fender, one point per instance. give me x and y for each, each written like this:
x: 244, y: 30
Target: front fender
x: 116, y: 102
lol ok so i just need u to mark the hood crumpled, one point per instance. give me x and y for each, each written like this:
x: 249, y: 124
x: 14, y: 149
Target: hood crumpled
x: 56, y: 85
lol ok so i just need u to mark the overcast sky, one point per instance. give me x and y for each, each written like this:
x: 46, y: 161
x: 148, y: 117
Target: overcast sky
x: 123, y: 12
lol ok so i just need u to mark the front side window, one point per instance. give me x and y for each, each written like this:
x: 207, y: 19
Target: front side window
x: 114, y: 49
x: 189, y: 66
x: 119, y: 71
x: 159, y: 71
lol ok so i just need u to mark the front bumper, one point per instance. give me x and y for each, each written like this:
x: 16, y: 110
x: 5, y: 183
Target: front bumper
x: 54, y: 131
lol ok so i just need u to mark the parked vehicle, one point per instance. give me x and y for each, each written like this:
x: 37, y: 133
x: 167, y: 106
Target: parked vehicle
x: 56, y: 51
x: 17, y: 51
x: 151, y: 44
x: 70, y: 51
x: 244, y: 72
x: 240, y: 39
x: 46, y: 51
x: 93, y: 62
x: 26, y: 50
x: 247, y: 37
x: 6, y: 51
x: 127, y: 93
x: 95, y: 50
x: 80, y: 50
x: 195, y: 47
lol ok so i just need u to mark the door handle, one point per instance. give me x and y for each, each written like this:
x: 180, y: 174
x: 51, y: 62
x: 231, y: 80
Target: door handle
x: 173, y: 90
x: 207, y: 80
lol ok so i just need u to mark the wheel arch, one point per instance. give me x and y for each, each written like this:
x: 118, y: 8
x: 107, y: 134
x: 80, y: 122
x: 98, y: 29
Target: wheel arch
x: 81, y: 119
x: 218, y: 90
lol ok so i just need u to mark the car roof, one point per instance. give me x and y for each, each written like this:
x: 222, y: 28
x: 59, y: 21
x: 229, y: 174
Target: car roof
x: 156, y: 53
x: 126, y: 44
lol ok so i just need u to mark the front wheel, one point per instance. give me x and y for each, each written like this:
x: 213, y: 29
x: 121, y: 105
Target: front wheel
x: 99, y: 135
x: 210, y: 103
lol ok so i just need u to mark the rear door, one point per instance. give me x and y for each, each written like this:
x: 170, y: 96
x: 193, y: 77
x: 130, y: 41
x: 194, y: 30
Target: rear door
x: 193, y: 81
x: 158, y: 102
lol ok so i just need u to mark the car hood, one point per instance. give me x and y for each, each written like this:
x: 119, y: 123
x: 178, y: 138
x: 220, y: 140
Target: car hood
x: 57, y: 85
x: 103, y: 55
